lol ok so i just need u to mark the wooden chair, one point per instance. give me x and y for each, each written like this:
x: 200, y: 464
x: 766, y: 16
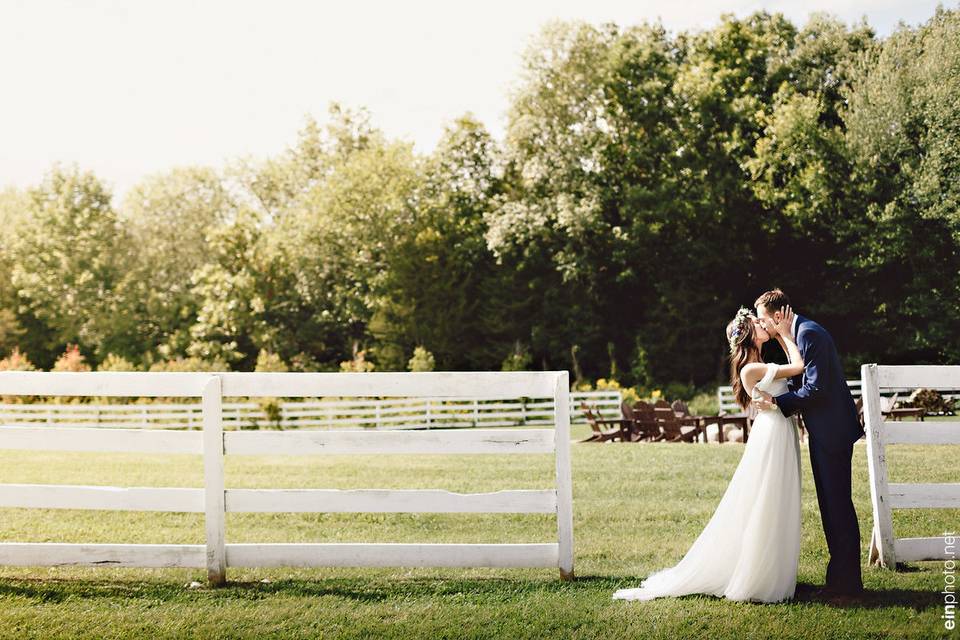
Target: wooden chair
x: 682, y: 412
x: 673, y: 430
x: 645, y: 424
x: 596, y: 424
x: 889, y: 410
x: 680, y: 408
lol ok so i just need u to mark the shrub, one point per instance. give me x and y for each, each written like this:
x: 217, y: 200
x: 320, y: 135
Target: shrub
x: 626, y: 393
x: 422, y: 360
x: 518, y: 360
x: 17, y: 361
x: 359, y: 363
x: 271, y: 362
x: 704, y: 403
x: 192, y: 363
x: 71, y: 360
x: 116, y: 363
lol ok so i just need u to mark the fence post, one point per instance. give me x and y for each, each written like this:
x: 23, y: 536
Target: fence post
x: 214, y: 482
x: 882, y: 548
x: 561, y: 413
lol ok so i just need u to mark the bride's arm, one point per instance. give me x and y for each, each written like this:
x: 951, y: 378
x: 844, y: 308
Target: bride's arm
x: 796, y: 360
x: 790, y: 346
x: 751, y: 374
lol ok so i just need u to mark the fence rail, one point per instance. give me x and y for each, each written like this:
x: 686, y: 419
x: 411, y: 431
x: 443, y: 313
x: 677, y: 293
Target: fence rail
x: 215, y: 500
x: 727, y: 403
x: 391, y: 413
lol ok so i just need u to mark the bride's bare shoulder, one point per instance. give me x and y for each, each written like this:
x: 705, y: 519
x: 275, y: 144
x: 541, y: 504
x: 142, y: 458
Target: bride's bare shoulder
x: 753, y: 373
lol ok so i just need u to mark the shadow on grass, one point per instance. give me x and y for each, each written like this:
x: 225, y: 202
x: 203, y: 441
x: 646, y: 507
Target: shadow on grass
x: 918, y: 600
x: 374, y: 590
x: 53, y: 590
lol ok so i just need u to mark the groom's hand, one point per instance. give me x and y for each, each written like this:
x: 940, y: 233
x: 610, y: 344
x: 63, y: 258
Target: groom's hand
x: 764, y: 402
x: 786, y: 322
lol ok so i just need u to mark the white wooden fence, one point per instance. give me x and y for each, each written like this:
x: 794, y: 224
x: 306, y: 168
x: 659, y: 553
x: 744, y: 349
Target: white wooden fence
x: 885, y: 549
x: 214, y: 500
x: 728, y: 404
x: 389, y: 413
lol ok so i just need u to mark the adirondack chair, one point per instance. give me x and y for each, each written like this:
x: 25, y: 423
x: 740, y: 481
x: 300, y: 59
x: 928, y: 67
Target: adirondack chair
x: 682, y: 411
x: 644, y: 419
x: 888, y: 408
x: 673, y: 431
x: 600, y: 434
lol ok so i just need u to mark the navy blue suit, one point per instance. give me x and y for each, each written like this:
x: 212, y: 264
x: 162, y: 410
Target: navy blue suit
x: 821, y: 395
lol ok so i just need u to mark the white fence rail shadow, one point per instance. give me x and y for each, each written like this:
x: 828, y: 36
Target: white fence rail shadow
x: 368, y: 413
x: 885, y: 549
x: 214, y: 500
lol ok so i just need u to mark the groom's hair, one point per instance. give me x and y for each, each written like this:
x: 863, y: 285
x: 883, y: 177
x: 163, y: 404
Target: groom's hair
x: 773, y: 300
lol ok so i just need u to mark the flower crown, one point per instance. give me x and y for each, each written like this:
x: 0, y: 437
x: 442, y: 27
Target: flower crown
x: 738, y: 326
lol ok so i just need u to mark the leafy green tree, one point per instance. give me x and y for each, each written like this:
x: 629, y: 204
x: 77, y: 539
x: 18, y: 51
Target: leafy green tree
x: 68, y: 261
x: 441, y: 285
x: 167, y: 218
x: 903, y: 132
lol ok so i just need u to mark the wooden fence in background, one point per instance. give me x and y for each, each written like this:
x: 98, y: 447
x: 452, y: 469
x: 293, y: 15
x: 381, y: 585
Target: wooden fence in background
x: 215, y: 500
x: 388, y: 413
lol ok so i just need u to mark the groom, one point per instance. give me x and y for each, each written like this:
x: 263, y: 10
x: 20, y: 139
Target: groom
x: 821, y: 395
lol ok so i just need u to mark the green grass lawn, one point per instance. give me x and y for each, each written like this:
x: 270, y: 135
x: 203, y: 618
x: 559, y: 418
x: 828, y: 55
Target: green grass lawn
x: 637, y: 508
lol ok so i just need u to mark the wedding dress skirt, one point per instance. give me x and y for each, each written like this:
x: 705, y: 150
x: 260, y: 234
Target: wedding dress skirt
x: 750, y: 548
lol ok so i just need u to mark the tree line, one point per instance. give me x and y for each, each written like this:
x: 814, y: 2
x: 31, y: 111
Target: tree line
x: 648, y: 184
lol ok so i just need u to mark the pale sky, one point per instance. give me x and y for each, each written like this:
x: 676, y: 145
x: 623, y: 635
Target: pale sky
x: 130, y: 88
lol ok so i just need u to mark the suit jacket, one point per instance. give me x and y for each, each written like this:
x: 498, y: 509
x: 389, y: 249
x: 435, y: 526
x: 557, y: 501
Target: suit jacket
x: 820, y: 394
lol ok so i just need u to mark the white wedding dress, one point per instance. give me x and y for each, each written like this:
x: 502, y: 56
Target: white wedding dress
x: 750, y: 548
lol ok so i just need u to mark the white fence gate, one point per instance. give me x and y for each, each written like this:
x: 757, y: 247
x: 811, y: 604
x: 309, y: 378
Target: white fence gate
x: 885, y: 549
x: 214, y: 500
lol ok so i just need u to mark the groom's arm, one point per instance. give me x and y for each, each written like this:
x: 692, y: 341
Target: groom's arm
x: 814, y: 370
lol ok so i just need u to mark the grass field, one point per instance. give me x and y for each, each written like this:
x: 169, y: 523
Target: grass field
x: 637, y: 508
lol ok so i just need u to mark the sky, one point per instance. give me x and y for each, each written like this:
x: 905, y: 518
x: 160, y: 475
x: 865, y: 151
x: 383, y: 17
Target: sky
x: 130, y: 88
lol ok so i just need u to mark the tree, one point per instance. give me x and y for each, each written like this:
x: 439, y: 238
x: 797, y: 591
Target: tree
x: 441, y: 285
x: 67, y: 262
x: 903, y: 131
x: 167, y: 218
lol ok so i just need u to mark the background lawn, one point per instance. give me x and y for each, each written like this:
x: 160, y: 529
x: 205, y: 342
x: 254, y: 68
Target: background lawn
x: 637, y: 508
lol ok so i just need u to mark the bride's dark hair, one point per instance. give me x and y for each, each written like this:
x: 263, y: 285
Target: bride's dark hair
x: 743, y: 350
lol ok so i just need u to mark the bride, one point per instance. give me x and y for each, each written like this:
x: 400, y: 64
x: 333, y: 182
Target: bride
x: 750, y: 548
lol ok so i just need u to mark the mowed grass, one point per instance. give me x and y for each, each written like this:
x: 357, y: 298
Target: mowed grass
x: 637, y: 508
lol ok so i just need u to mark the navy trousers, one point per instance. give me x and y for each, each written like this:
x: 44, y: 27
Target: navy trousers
x: 832, y: 476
